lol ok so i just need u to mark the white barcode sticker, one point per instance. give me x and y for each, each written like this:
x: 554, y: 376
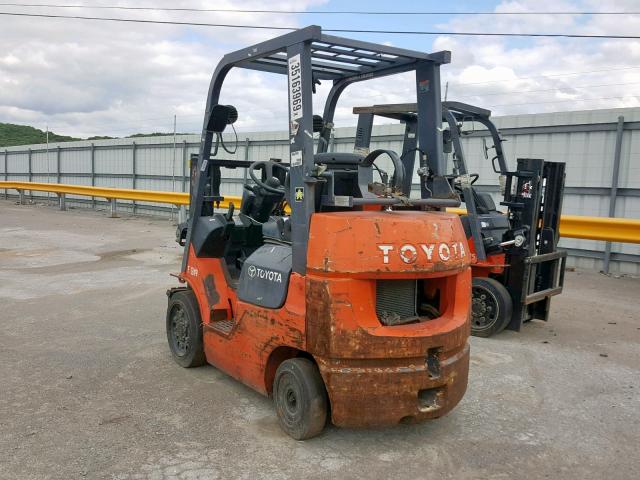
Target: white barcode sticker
x: 295, y: 88
x: 296, y: 158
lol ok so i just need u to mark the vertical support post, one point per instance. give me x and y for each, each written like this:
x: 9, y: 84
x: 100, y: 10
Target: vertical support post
x: 613, y: 195
x: 133, y: 173
x: 30, y: 170
x: 301, y: 149
x: 332, y: 142
x: 114, y: 208
x: 48, y: 167
x: 173, y: 163
x: 429, y: 120
x: 21, y: 195
x: 6, y: 171
x: 62, y: 200
x: 184, y: 166
x: 182, y: 214
x: 58, y: 171
x: 93, y: 172
x: 246, y: 158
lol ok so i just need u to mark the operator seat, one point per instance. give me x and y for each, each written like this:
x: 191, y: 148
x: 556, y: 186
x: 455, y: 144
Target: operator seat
x: 484, y: 202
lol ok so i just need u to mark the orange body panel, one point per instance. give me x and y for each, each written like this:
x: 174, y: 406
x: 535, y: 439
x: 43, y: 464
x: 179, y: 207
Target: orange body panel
x: 387, y: 244
x: 374, y: 373
x: 493, y: 263
x: 244, y: 350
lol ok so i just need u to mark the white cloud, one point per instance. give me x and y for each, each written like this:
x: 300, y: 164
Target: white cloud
x: 101, y: 78
x: 96, y: 78
x: 523, y: 76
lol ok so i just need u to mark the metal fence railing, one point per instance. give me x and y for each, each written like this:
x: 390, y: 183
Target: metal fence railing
x: 571, y: 226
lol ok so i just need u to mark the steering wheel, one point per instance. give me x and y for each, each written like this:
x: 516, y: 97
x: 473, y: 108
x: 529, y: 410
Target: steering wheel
x: 398, y: 167
x: 272, y: 183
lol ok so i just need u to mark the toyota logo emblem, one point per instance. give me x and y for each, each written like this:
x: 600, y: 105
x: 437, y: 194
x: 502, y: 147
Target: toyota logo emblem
x: 252, y: 271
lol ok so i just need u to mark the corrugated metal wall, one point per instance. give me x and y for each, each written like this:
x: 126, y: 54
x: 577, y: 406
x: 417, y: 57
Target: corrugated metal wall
x: 585, y: 140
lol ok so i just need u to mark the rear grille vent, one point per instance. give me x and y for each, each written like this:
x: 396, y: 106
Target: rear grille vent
x: 396, y: 301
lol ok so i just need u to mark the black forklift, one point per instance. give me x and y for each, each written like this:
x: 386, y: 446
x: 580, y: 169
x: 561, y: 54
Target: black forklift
x: 517, y: 266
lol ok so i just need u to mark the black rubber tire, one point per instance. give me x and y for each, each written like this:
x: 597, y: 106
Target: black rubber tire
x: 491, y: 307
x: 184, y: 329
x: 300, y: 398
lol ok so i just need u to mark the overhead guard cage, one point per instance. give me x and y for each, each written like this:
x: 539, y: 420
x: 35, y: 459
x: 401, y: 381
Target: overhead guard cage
x: 306, y: 56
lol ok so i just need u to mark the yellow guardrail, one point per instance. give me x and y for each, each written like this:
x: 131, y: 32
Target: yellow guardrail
x: 626, y: 230
x: 174, y: 198
x: 571, y: 226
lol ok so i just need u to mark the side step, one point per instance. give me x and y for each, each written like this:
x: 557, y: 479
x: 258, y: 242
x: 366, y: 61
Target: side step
x: 224, y: 327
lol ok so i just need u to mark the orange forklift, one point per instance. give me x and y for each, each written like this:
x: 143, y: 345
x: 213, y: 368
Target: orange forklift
x: 354, y: 307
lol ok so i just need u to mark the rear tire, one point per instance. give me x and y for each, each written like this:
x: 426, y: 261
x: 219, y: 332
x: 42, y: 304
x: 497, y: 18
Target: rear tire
x: 492, y: 307
x: 184, y: 329
x: 300, y: 398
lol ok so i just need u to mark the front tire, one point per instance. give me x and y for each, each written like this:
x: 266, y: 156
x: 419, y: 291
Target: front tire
x: 300, y: 398
x: 184, y: 329
x: 492, y: 307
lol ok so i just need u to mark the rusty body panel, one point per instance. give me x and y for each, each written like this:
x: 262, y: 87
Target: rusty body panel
x: 238, y: 337
x: 374, y: 374
x: 385, y: 392
x: 380, y: 375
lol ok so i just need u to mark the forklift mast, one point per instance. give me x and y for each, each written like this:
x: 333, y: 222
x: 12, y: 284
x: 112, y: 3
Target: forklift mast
x: 533, y: 195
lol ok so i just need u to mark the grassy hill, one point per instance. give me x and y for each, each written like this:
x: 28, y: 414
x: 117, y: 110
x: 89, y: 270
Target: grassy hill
x: 11, y: 135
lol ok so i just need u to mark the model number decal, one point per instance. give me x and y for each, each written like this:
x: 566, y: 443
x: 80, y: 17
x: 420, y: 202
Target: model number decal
x: 295, y: 88
x: 409, y: 253
x: 193, y: 271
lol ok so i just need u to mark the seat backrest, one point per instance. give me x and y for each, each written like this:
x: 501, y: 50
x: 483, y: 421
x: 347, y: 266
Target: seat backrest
x: 484, y: 202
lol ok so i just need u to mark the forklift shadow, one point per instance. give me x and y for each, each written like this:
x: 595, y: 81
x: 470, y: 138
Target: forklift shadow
x: 255, y: 413
x: 268, y: 427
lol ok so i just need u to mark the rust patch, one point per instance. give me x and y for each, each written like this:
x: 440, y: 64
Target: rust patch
x: 213, y: 297
x: 382, y: 392
x: 318, y: 317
